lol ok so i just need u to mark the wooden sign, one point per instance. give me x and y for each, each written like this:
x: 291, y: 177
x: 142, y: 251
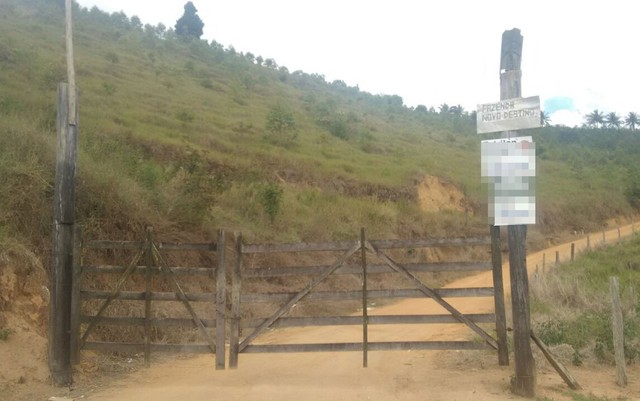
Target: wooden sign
x: 509, y: 115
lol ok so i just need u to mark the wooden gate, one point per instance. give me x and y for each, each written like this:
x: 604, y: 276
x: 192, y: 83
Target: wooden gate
x: 350, y: 259
x: 145, y: 275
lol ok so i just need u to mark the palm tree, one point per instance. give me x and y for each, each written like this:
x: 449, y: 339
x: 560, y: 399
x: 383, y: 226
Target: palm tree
x: 545, y: 119
x: 613, y: 120
x: 595, y: 118
x: 444, y: 108
x: 632, y: 121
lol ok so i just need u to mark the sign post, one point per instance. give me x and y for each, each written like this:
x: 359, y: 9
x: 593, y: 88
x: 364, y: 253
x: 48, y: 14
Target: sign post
x: 509, y: 167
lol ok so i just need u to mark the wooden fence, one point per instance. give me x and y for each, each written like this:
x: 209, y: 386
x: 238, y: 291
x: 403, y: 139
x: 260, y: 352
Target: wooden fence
x: 350, y: 259
x: 147, y: 260
x: 340, y: 276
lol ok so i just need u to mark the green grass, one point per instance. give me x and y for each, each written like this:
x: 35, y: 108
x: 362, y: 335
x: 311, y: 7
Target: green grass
x: 571, y: 304
x: 5, y: 333
x: 174, y: 134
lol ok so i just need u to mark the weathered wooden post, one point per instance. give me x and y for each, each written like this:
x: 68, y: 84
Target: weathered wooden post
x: 365, y: 312
x: 618, y: 332
x: 573, y: 251
x: 221, y: 299
x: 498, y: 297
x: 524, y: 381
x: 511, y: 185
x: 63, y: 223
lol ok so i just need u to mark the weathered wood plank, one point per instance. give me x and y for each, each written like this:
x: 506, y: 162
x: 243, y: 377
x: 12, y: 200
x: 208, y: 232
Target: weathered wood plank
x: 297, y: 297
x: 139, y: 347
x: 559, y: 367
x: 365, y: 317
x: 372, y: 319
x: 165, y: 246
x: 498, y: 285
x: 617, y: 324
x: 139, y: 321
x: 147, y: 295
x: 354, y: 295
x: 433, y: 295
x: 373, y: 346
x: 260, y: 271
x: 155, y: 296
x: 182, y: 296
x: 429, y: 243
x: 187, y: 271
x: 236, y: 286
x: 110, y: 296
x: 299, y: 247
x: 76, y: 285
x: 103, y: 244
x: 221, y: 300
x: 381, y: 244
x: 186, y: 246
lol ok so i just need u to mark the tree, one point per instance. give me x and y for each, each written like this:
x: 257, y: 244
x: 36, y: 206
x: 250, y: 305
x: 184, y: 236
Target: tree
x: 595, y: 118
x: 444, y: 108
x: 456, y: 110
x: 545, y: 119
x: 631, y: 121
x: 281, y: 124
x: 189, y: 25
x: 613, y: 120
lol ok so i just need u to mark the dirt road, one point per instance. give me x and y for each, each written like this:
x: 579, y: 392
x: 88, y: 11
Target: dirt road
x: 391, y: 375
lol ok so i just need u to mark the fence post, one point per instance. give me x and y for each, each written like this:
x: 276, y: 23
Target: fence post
x: 588, y: 243
x: 619, y: 236
x: 618, y: 332
x: 76, y: 286
x: 221, y: 300
x: 573, y: 251
x: 557, y: 257
x: 234, y: 338
x: 365, y: 314
x: 498, y: 297
x: 147, y: 295
x: 604, y: 239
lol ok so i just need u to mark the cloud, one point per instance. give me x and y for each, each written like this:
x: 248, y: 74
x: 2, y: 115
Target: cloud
x: 570, y: 118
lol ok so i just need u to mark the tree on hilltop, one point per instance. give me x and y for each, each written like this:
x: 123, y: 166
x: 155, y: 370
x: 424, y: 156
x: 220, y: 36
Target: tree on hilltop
x: 631, y: 121
x: 613, y: 120
x: 189, y: 25
x: 595, y: 118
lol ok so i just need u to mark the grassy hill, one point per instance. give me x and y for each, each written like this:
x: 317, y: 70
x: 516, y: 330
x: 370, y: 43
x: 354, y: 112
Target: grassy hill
x: 191, y: 137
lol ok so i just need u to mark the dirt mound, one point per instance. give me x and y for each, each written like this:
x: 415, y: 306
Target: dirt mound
x: 23, y: 319
x: 436, y: 195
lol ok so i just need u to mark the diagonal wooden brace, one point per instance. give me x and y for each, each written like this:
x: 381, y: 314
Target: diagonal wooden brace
x: 182, y: 296
x: 296, y: 298
x: 432, y: 294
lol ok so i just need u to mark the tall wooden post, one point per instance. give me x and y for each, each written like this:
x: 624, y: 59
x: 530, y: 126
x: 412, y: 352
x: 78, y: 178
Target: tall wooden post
x: 365, y: 312
x: 63, y: 223
x: 498, y: 296
x: 524, y: 381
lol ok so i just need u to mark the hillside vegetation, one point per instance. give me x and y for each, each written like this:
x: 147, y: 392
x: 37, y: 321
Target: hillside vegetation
x: 191, y: 137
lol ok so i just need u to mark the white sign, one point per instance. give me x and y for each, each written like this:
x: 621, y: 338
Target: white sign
x: 509, y: 168
x: 508, y: 115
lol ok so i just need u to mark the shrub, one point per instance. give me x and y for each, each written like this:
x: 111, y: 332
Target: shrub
x: 271, y: 199
x: 5, y: 333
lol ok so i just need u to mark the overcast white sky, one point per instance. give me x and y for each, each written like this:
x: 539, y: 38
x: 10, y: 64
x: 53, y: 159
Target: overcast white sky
x: 577, y: 56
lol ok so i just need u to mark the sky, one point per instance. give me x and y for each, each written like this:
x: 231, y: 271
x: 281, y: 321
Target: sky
x: 578, y: 56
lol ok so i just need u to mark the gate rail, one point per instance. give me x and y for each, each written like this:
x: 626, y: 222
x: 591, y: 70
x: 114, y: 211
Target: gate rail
x: 149, y: 263
x: 344, y: 265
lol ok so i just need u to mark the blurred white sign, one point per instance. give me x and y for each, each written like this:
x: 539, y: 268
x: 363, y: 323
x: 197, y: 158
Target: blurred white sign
x: 509, y: 169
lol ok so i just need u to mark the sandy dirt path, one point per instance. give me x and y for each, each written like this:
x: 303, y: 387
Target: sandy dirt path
x: 391, y: 375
